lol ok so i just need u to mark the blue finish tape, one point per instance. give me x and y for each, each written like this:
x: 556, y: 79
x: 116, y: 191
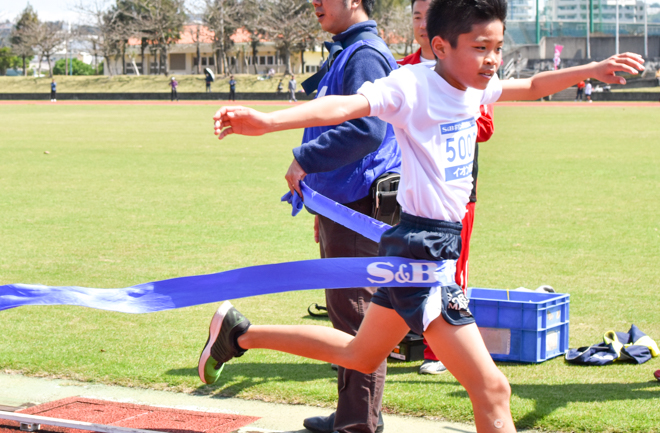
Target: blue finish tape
x: 182, y: 292
x: 368, y: 227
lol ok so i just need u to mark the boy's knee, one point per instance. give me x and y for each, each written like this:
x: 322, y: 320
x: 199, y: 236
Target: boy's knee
x: 497, y: 389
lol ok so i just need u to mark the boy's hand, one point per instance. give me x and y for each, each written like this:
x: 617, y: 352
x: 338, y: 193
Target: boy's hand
x: 626, y: 62
x: 240, y: 120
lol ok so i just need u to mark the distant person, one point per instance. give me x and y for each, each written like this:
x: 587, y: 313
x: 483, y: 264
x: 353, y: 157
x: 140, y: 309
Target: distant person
x: 657, y: 77
x: 587, y: 91
x: 232, y: 88
x: 580, y: 91
x: 209, y: 80
x: 53, y: 91
x: 174, y: 84
x: 292, y: 89
x: 280, y: 88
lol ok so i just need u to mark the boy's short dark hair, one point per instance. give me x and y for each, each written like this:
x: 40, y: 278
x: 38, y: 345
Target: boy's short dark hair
x: 451, y: 18
x: 368, y: 6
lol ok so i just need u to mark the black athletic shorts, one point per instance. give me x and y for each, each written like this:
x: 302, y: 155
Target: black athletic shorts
x: 424, y: 239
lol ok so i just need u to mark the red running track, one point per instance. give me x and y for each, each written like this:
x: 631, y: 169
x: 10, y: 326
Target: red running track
x: 130, y: 415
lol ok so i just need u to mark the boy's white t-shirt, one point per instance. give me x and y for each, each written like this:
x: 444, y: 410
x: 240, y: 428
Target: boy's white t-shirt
x: 435, y: 125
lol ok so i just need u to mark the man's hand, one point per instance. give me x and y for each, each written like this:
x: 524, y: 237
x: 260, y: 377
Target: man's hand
x: 240, y: 120
x: 293, y: 176
x: 316, y: 231
x: 626, y: 62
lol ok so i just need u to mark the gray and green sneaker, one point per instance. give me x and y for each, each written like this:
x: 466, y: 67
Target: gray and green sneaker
x: 226, y: 326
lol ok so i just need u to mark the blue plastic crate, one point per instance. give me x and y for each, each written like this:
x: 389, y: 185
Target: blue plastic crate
x: 521, y: 326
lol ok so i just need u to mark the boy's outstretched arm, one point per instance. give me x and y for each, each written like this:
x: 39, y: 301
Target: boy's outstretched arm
x: 547, y: 83
x: 324, y: 111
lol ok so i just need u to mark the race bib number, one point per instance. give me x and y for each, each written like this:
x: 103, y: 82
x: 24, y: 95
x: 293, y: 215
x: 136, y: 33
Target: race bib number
x: 457, y: 140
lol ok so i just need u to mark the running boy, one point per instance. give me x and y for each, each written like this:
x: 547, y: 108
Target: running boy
x: 433, y: 113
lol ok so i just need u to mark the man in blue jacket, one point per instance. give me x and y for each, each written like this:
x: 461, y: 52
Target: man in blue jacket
x: 342, y: 163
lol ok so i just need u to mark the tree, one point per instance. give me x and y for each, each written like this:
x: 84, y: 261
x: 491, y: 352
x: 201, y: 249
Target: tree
x: 287, y: 23
x: 137, y: 23
x: 165, y: 20
x: 102, y: 17
x: 20, y: 40
x: 311, y: 35
x: 222, y: 17
x: 7, y: 60
x: 395, y: 25
x: 47, y: 38
x: 79, y: 67
x: 125, y: 25
x: 253, y: 23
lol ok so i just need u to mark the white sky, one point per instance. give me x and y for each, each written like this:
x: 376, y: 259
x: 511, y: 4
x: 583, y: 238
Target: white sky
x: 47, y: 10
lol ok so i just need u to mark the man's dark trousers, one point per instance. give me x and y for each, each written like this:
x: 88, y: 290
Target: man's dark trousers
x: 360, y: 395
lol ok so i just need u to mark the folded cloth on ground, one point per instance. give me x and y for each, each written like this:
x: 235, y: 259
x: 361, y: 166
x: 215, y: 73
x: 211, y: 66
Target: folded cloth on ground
x: 633, y: 346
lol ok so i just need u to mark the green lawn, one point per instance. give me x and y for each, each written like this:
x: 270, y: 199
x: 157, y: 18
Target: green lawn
x: 568, y: 196
x: 145, y: 83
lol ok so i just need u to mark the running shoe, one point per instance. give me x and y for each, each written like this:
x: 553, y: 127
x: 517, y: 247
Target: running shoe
x: 222, y: 345
x: 432, y: 367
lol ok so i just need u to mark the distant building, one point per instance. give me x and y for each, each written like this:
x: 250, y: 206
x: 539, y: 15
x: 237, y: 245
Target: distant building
x: 182, y: 56
x: 521, y: 10
x: 604, y: 11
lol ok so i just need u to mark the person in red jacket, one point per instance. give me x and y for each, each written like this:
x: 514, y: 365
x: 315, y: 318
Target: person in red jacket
x: 485, y: 128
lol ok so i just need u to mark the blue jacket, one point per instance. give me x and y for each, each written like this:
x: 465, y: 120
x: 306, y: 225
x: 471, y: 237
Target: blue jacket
x: 342, y: 161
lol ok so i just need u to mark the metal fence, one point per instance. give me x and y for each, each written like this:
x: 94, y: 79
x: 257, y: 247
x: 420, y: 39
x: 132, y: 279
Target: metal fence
x: 524, y: 32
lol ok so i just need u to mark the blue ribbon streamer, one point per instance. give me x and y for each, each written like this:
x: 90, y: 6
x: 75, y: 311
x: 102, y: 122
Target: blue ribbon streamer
x: 182, y: 292
x: 368, y: 227
x: 336, y: 273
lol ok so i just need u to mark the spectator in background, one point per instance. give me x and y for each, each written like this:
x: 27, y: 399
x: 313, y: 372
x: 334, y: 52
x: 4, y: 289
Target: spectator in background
x: 657, y: 77
x: 232, y: 88
x: 580, y: 91
x: 292, y: 89
x: 485, y: 127
x: 280, y: 88
x: 209, y: 80
x: 174, y: 84
x: 53, y: 91
x: 587, y: 91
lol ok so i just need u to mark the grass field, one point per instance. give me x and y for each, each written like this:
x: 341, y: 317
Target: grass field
x: 568, y: 196
x: 145, y: 83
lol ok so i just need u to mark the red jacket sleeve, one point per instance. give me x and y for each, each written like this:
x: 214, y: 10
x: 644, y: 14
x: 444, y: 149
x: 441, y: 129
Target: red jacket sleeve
x: 485, y: 125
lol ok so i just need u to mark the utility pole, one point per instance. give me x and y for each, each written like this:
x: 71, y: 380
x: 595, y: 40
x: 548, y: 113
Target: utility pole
x: 66, y: 54
x: 538, y: 26
x: 646, y: 29
x: 617, y: 29
x: 588, y: 29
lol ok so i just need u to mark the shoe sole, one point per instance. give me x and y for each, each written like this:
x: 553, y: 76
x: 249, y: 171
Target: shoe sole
x: 434, y: 373
x: 214, y: 330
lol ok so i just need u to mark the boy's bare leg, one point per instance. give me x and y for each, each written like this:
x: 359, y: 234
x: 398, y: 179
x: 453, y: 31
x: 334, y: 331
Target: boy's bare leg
x: 381, y: 330
x: 462, y: 350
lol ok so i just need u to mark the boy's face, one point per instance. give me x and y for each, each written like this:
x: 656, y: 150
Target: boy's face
x: 419, y: 22
x: 475, y: 59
